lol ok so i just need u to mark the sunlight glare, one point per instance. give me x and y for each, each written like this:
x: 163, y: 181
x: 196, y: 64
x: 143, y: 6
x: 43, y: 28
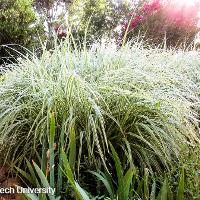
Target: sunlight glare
x: 185, y: 2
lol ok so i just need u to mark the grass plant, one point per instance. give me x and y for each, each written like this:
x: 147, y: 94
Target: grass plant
x: 148, y: 97
x: 118, y: 183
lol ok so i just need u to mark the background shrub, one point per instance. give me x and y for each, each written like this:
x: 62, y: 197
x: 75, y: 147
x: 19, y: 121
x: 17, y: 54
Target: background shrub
x: 165, y: 22
x: 18, y: 25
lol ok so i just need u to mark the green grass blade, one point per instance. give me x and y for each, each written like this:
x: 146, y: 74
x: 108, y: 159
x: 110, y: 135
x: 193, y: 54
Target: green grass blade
x: 180, y: 193
x: 105, y: 182
x: 44, y: 154
x: 70, y: 176
x: 67, y: 169
x: 25, y: 175
x: 61, y: 146
x: 31, y: 170
x: 43, y: 180
x: 119, y: 171
x: 146, y: 185
x: 128, y: 181
x: 51, y: 148
x: 31, y: 196
x: 139, y: 190
x: 164, y: 189
x: 72, y: 150
x: 82, y: 192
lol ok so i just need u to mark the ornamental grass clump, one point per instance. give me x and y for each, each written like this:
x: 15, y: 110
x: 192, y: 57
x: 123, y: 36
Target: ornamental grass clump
x: 148, y: 97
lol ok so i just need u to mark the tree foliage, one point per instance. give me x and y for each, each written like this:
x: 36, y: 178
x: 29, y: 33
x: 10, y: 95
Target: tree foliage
x: 18, y: 22
x: 18, y: 25
x: 100, y: 18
